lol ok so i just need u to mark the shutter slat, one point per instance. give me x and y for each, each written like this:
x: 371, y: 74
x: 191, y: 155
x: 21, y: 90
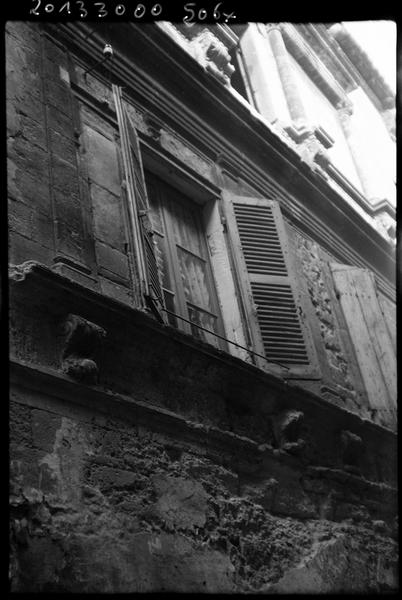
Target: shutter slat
x: 263, y: 254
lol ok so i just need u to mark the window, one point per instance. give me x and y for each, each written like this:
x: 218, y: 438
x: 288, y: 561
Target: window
x: 174, y: 274
x: 171, y: 262
x: 183, y: 262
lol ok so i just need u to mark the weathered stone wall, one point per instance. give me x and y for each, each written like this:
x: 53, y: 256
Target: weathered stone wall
x: 102, y: 505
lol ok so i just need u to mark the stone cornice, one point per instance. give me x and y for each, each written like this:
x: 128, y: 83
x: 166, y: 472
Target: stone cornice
x: 35, y: 278
x: 364, y: 66
x: 313, y: 66
x: 321, y: 42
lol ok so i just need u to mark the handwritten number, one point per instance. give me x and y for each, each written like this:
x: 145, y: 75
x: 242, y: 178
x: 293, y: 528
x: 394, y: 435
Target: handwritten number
x: 66, y: 7
x: 216, y: 13
x: 156, y: 10
x: 84, y: 12
x: 187, y: 19
x: 102, y: 12
x: 139, y: 11
x: 33, y: 10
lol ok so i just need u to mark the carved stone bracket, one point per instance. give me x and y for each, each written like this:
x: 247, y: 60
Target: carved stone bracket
x: 209, y: 46
x: 287, y: 430
x: 154, y: 126
x: 19, y: 272
x: 82, y: 344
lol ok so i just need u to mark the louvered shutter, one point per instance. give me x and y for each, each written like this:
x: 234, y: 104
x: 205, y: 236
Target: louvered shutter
x: 149, y: 285
x: 357, y: 292
x: 269, y: 284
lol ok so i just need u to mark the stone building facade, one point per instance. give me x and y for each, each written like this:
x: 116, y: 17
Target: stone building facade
x: 202, y: 311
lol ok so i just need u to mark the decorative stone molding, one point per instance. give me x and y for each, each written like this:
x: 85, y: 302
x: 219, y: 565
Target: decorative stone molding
x: 82, y: 343
x: 322, y: 159
x: 286, y: 75
x: 367, y: 71
x: 287, y: 430
x: 213, y: 55
x: 321, y: 42
x: 323, y: 137
x: 297, y: 134
x: 209, y: 45
x: 154, y: 126
x: 312, y: 65
x: 19, y: 272
x: 385, y: 221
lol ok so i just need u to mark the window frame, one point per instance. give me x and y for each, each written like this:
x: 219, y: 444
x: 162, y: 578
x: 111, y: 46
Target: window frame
x: 165, y: 191
x: 181, y: 176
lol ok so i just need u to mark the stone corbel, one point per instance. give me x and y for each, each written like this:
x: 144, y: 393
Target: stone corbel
x: 212, y: 54
x: 322, y: 159
x: 19, y: 272
x: 154, y: 126
x: 82, y: 344
x: 287, y: 431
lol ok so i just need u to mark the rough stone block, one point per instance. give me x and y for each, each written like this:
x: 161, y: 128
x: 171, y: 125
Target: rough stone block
x: 30, y: 158
x: 44, y: 429
x: 22, y: 249
x: 20, y: 218
x: 180, y: 502
x: 112, y: 260
x: 26, y: 188
x: 60, y: 122
x: 65, y: 176
x: 54, y: 53
x: 69, y: 241
x: 116, y: 291
x: 42, y: 227
x: 63, y: 147
x: 25, y: 32
x: 58, y: 94
x: 67, y: 208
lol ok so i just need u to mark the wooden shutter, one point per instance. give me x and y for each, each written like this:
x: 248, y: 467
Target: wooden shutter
x: 269, y: 284
x: 375, y: 354
x: 149, y: 285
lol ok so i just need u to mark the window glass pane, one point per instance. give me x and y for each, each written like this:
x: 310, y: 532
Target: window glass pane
x: 170, y: 305
x: 155, y: 212
x: 194, y: 279
x: 204, y: 320
x: 185, y: 226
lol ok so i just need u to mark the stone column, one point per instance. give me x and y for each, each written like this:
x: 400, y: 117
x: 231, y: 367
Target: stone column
x: 288, y: 80
x: 256, y: 56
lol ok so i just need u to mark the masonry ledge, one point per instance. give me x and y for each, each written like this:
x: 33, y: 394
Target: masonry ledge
x: 35, y: 275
